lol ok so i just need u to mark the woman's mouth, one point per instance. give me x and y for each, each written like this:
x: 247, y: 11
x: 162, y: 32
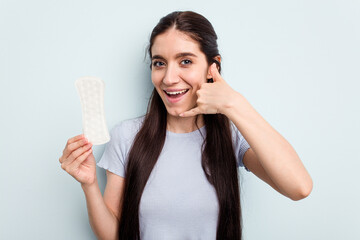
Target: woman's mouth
x: 175, y: 96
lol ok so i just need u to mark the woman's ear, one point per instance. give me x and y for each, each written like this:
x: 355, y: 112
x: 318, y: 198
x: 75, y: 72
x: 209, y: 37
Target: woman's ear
x: 216, y: 60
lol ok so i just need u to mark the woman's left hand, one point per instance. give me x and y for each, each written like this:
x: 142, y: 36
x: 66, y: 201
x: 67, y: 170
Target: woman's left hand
x: 213, y: 97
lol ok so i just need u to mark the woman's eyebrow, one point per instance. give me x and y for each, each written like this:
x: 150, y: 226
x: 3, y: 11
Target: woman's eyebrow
x: 179, y: 55
x: 184, y: 54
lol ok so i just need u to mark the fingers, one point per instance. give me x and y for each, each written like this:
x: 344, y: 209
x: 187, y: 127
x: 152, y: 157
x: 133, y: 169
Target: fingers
x: 76, y: 153
x: 74, y: 139
x: 73, y: 145
x: 191, y: 112
x: 65, y: 161
x: 71, y: 166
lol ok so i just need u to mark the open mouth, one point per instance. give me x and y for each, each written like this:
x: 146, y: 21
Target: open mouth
x: 177, y: 94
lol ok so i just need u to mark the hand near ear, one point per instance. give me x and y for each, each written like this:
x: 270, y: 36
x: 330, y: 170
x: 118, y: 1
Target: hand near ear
x: 212, y: 97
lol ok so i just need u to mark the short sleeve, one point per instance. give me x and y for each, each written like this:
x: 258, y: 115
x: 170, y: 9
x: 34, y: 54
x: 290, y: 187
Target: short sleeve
x: 240, y: 146
x: 115, y: 153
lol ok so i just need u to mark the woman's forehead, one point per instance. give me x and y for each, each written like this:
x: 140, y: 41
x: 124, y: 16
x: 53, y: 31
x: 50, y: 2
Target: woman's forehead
x: 173, y: 42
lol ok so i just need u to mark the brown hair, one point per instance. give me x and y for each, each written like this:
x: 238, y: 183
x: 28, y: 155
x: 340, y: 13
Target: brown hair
x: 218, y: 158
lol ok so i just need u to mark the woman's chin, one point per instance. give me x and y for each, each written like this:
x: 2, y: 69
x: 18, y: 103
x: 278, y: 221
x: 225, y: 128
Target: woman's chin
x: 175, y: 112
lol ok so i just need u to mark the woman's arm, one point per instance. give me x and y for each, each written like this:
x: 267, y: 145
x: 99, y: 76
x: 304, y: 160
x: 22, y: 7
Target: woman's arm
x: 103, y: 221
x: 273, y: 159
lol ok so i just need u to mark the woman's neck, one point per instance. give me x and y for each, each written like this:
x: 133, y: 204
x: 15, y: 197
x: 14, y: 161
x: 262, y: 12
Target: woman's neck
x: 184, y: 125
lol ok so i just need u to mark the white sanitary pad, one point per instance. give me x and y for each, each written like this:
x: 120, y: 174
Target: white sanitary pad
x: 91, y: 92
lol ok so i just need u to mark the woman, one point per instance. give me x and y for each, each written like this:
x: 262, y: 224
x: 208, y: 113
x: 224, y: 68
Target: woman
x: 180, y: 160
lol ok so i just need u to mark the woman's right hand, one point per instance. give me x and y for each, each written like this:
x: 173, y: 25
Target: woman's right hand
x: 78, y: 160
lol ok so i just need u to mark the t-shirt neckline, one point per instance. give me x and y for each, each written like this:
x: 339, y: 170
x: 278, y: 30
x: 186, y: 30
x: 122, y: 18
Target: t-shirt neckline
x: 189, y: 134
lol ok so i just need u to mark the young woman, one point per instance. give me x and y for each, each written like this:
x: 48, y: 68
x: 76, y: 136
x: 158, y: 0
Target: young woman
x: 172, y: 174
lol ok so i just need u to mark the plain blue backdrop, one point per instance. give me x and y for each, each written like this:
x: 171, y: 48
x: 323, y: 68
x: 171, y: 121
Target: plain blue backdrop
x: 296, y: 62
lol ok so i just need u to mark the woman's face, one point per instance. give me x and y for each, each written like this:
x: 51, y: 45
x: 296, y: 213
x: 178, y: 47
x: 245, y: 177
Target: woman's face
x: 178, y: 70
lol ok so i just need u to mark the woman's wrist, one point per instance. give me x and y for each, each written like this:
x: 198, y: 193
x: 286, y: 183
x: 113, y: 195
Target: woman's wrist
x: 235, y: 102
x: 88, y: 186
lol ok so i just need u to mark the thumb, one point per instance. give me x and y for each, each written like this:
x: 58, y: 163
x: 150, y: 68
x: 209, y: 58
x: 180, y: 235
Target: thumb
x: 215, y: 73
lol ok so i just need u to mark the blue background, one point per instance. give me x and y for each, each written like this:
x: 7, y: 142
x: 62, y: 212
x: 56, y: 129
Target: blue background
x: 297, y: 63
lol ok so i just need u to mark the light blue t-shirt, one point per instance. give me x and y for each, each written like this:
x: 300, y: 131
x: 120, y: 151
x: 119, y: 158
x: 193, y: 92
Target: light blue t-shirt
x: 178, y: 202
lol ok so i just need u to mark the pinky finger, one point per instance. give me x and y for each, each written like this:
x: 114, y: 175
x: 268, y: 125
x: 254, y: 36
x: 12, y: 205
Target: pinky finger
x: 191, y: 113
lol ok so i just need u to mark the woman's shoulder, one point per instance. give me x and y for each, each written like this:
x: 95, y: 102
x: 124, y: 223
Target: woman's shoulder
x: 235, y: 133
x: 132, y: 123
x: 128, y: 128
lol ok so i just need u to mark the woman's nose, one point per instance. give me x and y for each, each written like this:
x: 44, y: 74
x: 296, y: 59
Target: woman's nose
x: 171, y: 76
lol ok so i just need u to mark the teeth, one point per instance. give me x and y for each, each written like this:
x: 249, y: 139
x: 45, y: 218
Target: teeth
x: 176, y: 93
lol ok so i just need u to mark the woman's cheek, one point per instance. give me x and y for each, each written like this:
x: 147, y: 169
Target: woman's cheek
x: 194, y: 79
x: 156, y: 77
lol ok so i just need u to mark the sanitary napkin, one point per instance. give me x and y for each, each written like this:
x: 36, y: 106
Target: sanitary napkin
x: 91, y: 92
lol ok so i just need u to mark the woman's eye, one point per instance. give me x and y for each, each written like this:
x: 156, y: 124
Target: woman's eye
x: 157, y: 64
x: 186, y: 61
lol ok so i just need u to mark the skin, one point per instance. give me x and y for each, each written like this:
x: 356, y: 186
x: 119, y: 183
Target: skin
x: 78, y: 160
x: 170, y: 70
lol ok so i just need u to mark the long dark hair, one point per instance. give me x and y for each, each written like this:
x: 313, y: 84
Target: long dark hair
x: 218, y: 159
